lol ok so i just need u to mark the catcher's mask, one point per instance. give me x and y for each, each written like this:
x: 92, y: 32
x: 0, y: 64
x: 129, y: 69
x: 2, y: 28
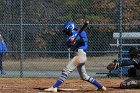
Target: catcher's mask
x: 133, y: 52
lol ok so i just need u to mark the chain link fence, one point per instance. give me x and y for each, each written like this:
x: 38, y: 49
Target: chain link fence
x: 32, y: 30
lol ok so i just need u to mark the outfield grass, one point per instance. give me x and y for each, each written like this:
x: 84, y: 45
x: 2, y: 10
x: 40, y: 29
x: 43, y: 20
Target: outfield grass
x: 44, y: 64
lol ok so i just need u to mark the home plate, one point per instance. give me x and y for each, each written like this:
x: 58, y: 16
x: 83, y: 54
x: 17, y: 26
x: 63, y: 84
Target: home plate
x: 63, y: 89
x: 67, y: 89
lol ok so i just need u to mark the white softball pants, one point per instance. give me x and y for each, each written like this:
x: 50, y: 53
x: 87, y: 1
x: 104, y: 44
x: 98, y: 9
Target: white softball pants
x: 78, y: 62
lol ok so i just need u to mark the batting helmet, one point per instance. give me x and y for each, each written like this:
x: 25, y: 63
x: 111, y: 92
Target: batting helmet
x: 69, y: 26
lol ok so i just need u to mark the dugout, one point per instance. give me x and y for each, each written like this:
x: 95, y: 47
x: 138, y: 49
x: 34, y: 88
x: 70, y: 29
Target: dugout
x: 129, y: 40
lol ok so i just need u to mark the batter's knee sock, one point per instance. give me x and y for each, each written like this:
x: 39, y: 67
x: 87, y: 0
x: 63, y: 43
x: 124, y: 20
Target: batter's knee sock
x: 61, y: 79
x: 95, y: 82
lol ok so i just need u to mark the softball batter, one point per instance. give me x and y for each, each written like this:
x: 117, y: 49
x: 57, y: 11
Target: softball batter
x: 79, y: 46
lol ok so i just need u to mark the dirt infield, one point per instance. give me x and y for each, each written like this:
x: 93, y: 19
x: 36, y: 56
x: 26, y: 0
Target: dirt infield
x: 36, y: 85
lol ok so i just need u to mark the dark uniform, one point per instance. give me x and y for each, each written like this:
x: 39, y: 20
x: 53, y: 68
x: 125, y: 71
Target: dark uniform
x: 134, y: 72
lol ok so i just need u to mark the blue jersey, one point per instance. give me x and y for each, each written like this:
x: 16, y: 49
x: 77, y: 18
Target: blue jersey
x: 77, y: 45
x: 3, y: 47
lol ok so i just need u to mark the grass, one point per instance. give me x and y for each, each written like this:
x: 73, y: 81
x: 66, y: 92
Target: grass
x: 56, y: 64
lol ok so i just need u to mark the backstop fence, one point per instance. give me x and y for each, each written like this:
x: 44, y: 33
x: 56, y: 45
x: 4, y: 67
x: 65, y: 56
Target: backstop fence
x: 32, y: 30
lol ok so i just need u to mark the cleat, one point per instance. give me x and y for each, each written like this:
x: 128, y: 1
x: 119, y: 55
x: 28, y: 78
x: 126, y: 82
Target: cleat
x: 51, y: 89
x: 102, y: 89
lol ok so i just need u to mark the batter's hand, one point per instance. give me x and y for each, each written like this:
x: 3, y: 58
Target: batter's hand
x: 72, y: 41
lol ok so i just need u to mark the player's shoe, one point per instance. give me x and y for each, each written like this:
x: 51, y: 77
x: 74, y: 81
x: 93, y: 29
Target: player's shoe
x: 51, y: 89
x: 101, y: 89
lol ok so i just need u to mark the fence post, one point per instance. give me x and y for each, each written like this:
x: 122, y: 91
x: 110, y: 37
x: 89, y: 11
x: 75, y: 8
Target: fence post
x: 121, y: 30
x: 21, y: 42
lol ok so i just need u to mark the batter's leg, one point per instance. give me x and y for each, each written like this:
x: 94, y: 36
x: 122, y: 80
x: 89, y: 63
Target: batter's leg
x: 66, y: 71
x: 83, y: 74
x: 1, y: 66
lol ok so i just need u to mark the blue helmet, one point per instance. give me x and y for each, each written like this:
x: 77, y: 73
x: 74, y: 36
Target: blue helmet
x: 69, y: 26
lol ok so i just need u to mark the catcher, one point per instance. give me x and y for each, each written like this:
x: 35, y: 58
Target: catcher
x: 133, y: 73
